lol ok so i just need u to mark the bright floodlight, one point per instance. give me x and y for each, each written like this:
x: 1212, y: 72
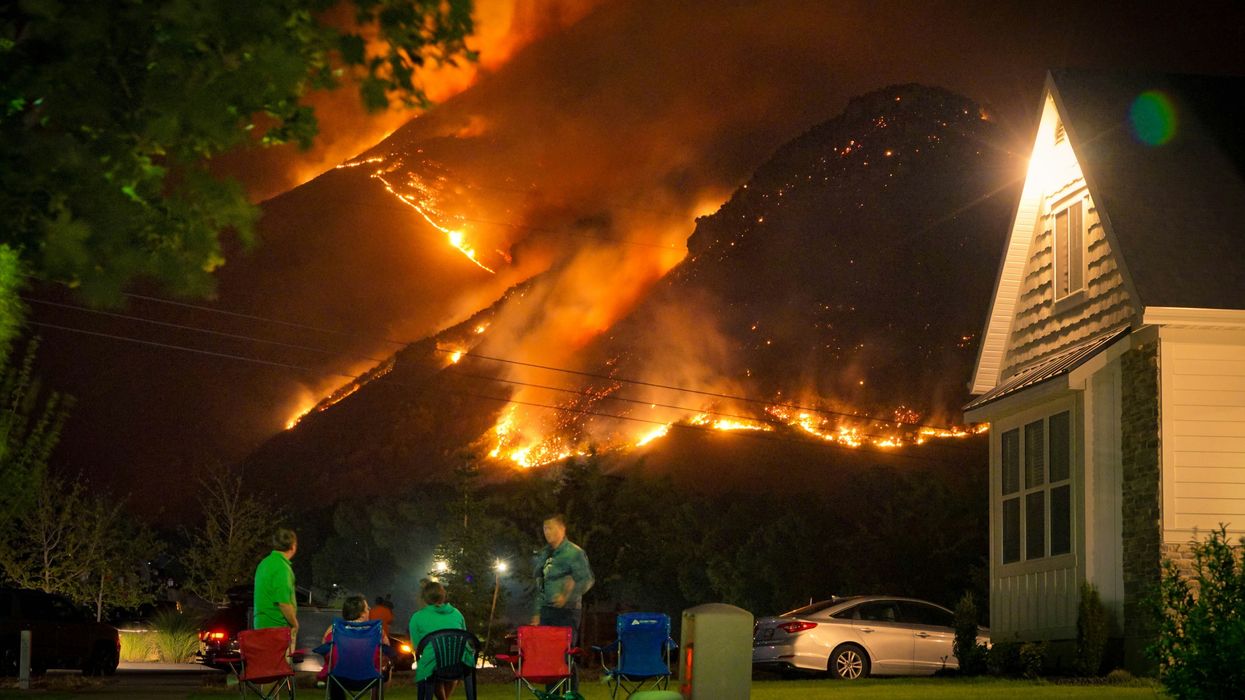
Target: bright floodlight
x: 440, y: 566
x: 500, y: 566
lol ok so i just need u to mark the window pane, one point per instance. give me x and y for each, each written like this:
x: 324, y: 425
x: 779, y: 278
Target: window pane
x: 1011, y: 461
x: 1076, y: 249
x: 1060, y: 520
x: 922, y: 614
x: 1035, y: 525
x: 1035, y: 457
x: 1060, y: 446
x: 1011, y: 530
x: 1061, y: 254
x: 881, y: 611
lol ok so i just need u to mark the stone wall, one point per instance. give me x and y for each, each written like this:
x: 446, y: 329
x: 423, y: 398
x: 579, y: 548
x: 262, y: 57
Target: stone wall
x: 1140, y: 516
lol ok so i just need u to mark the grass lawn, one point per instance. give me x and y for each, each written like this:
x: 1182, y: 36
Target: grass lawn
x: 889, y: 689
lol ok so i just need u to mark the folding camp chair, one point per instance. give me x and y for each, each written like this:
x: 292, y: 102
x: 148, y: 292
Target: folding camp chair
x: 263, y: 660
x: 545, y: 657
x: 355, y: 668
x: 643, y: 649
x: 453, y: 654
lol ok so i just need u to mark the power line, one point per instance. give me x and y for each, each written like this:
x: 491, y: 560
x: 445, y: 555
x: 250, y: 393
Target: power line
x: 467, y: 353
x: 230, y: 356
x: 196, y: 329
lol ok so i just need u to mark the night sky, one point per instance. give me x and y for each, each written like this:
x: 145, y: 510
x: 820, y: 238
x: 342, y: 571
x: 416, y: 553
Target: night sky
x: 639, y: 114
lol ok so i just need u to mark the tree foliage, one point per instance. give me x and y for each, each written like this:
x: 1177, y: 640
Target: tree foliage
x: 30, y: 427
x: 79, y: 543
x: 110, y: 112
x: 1201, y: 638
x: 233, y: 537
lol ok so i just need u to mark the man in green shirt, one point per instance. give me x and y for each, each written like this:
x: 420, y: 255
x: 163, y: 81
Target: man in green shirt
x: 275, y: 602
x: 562, y: 578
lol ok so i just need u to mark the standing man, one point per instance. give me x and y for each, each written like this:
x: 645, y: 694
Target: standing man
x: 276, y: 604
x: 562, y: 578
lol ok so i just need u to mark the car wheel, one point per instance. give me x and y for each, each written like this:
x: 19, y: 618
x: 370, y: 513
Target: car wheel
x: 849, y: 662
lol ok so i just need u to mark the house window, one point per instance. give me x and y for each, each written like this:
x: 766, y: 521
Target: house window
x: 1036, y: 512
x: 1069, y: 250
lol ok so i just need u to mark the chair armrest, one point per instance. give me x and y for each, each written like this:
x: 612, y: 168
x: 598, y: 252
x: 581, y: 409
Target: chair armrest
x: 508, y: 658
x: 298, y: 656
x: 323, y: 649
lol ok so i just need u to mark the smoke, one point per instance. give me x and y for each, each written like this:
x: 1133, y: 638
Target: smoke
x: 503, y: 27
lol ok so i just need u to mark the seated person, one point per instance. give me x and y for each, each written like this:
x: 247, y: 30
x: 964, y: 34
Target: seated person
x: 435, y: 615
x: 354, y: 609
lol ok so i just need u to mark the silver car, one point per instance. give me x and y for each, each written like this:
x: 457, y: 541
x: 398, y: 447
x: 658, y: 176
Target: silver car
x: 859, y: 636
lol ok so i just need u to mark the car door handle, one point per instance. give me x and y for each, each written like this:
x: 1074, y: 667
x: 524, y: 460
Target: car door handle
x: 866, y: 629
x: 922, y: 635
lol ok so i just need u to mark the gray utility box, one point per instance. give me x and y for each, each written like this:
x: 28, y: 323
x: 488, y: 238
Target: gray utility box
x: 715, y: 657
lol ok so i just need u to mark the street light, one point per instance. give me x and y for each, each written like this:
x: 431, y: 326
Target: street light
x: 440, y: 566
x: 499, y: 568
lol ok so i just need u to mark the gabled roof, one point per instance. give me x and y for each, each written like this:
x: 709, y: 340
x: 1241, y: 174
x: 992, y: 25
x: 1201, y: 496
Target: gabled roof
x: 1175, y: 212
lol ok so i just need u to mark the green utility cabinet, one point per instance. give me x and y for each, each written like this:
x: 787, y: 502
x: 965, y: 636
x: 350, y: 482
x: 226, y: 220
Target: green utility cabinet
x: 716, y: 653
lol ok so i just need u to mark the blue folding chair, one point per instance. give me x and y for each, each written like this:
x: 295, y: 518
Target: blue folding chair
x: 355, y: 668
x: 643, y: 650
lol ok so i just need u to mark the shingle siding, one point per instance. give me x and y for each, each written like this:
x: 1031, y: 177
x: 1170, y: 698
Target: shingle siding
x: 1042, y: 327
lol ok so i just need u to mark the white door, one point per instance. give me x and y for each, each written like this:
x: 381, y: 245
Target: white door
x: 887, y: 639
x: 933, y: 631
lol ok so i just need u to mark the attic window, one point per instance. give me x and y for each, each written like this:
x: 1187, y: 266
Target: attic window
x: 1060, y: 134
x: 1069, y: 250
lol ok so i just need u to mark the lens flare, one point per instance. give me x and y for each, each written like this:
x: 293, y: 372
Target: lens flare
x: 1153, y: 117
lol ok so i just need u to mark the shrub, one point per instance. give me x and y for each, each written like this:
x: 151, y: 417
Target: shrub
x: 1201, y: 635
x: 1091, y: 632
x: 176, y: 636
x: 970, y: 654
x: 1003, y: 659
x: 138, y: 645
x: 1119, y: 677
x: 1032, y: 658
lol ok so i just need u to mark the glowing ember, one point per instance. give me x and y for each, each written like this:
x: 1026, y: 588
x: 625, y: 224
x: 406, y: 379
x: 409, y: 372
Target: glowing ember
x: 456, y: 356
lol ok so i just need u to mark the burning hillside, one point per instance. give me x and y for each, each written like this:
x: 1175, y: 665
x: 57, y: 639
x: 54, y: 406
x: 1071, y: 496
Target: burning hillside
x: 773, y: 326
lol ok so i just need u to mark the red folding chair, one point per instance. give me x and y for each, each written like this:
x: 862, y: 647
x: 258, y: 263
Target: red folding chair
x: 265, y: 659
x: 545, y: 657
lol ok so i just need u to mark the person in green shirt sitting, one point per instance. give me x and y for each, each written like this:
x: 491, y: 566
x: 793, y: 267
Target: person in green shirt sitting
x: 275, y: 602
x: 435, y: 615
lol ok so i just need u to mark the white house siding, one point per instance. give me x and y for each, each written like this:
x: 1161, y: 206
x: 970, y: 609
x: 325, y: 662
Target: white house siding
x: 1104, y: 564
x: 1202, y: 374
x: 1036, y: 599
x: 1041, y: 326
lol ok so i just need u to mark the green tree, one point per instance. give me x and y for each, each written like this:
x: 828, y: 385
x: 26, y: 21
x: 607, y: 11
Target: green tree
x: 224, y: 551
x: 1201, y: 630
x: 30, y: 427
x: 472, y: 540
x: 56, y: 543
x: 110, y: 112
x: 79, y: 543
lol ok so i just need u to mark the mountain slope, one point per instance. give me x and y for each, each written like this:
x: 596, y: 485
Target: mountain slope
x: 844, y: 282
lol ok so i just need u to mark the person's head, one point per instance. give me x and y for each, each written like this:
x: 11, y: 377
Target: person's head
x: 380, y: 600
x: 431, y: 592
x: 285, y: 541
x: 354, y: 608
x: 555, y: 529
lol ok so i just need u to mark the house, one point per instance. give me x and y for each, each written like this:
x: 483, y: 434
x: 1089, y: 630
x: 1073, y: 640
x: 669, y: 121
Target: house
x: 1112, y: 365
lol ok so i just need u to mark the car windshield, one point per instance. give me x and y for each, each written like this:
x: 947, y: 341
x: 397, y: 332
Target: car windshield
x: 814, y: 608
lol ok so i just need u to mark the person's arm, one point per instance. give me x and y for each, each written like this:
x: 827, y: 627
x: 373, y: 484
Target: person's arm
x: 581, y: 578
x: 287, y: 610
